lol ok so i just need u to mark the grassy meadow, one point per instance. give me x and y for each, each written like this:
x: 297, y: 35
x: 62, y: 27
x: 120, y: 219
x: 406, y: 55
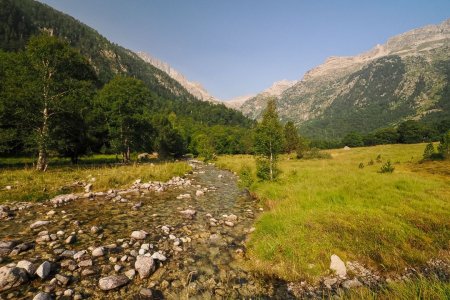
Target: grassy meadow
x: 30, y: 185
x: 317, y: 208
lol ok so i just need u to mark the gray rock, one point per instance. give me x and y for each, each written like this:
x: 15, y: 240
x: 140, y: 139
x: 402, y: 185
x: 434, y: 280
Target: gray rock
x: 62, y: 279
x: 329, y: 282
x: 190, y: 213
x: 99, y: 251
x: 350, y: 284
x: 38, y: 224
x: 27, y: 266
x: 42, y: 296
x: 85, y: 263
x: 44, y: 270
x: 338, y: 266
x: 113, y: 282
x: 11, y: 277
x: 139, y: 235
x: 79, y: 254
x: 8, y: 244
x: 145, y: 265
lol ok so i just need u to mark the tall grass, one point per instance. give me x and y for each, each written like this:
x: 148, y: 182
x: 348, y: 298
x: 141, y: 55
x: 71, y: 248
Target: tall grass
x: 320, y: 207
x: 30, y: 185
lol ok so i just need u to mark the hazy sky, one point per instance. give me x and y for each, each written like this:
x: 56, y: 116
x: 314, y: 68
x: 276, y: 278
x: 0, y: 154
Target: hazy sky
x: 239, y: 47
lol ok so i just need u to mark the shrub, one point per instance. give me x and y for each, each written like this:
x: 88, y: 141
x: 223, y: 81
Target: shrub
x: 370, y: 163
x: 263, y: 169
x: 361, y: 165
x: 246, y: 176
x: 379, y: 158
x: 387, y: 167
x: 428, y: 152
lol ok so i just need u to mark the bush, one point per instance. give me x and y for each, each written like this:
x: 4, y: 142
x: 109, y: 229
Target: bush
x: 379, y: 158
x: 428, y: 152
x: 361, y: 165
x: 316, y: 153
x: 387, y: 167
x: 246, y: 176
x: 370, y: 163
x: 263, y: 169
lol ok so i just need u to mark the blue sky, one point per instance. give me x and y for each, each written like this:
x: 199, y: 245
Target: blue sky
x: 239, y: 47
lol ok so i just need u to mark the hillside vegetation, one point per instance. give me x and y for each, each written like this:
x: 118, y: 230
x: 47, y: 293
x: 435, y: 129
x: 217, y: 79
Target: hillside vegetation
x: 317, y: 208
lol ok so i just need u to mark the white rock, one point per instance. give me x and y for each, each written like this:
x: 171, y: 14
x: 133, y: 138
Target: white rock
x: 199, y: 193
x: 139, y: 235
x: 144, y: 265
x: 42, y: 296
x: 158, y: 256
x: 113, y: 282
x: 338, y: 266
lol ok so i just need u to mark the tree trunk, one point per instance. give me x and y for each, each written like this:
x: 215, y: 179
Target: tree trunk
x: 271, y: 163
x: 43, y: 138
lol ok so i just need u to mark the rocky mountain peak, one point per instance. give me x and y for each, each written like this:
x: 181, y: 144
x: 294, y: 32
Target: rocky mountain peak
x: 195, y: 88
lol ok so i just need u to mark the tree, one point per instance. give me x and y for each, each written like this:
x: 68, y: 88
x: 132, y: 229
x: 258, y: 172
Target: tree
x: 429, y: 151
x: 204, y: 146
x: 444, y: 145
x: 126, y: 106
x: 291, y: 137
x: 169, y: 141
x: 414, y: 132
x: 43, y: 85
x: 269, y: 141
x: 353, y: 139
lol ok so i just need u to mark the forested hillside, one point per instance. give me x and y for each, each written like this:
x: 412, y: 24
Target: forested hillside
x: 66, y: 90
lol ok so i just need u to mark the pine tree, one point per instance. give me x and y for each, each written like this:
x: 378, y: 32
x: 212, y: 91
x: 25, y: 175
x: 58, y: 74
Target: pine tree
x: 291, y: 137
x: 429, y: 151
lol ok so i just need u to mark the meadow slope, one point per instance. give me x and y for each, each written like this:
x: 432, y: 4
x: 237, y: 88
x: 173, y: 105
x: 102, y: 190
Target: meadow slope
x: 317, y: 208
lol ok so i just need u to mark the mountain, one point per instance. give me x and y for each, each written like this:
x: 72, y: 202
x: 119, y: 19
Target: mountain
x: 195, y: 88
x: 21, y: 19
x: 237, y: 102
x: 406, y: 78
x: 255, y: 105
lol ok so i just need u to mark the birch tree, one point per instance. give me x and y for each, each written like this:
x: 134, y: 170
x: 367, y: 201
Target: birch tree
x: 269, y: 142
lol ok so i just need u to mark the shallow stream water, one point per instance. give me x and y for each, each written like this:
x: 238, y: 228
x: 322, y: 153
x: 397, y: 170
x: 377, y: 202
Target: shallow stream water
x: 206, y: 262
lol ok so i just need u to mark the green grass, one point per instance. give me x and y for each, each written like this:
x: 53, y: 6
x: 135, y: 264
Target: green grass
x: 322, y: 207
x: 417, y: 289
x: 30, y: 185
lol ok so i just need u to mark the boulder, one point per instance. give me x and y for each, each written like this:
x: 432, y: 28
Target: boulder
x: 27, y: 266
x: 44, y: 270
x: 11, y: 277
x: 144, y: 265
x: 112, y: 282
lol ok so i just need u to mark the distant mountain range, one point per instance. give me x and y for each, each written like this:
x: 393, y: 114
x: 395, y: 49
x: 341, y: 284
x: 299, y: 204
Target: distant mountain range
x: 406, y: 78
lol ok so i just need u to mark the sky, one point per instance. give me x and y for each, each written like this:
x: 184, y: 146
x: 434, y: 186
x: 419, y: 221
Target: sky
x: 240, y: 47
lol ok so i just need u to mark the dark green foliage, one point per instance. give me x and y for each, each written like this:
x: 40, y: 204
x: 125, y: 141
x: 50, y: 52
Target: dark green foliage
x: 414, y: 132
x: 387, y: 167
x: 361, y: 165
x: 269, y: 142
x: 429, y: 151
x: 353, y: 139
x: 444, y: 145
x: 168, y: 142
x: 203, y: 147
x: 378, y: 159
x: 291, y: 137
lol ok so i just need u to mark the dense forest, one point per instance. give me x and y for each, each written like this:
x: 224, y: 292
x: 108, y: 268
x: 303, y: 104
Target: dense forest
x: 93, y: 96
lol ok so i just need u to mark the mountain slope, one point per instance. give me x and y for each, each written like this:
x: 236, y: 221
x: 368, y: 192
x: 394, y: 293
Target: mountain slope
x: 254, y: 106
x: 20, y: 19
x: 407, y: 78
x: 196, y: 89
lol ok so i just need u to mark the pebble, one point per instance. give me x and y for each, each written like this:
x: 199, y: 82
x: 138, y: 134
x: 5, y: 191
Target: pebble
x: 38, y: 224
x: 146, y: 293
x: 99, y: 251
x: 71, y: 239
x: 144, y: 265
x: 139, y: 235
x: 42, y: 296
x: 27, y: 266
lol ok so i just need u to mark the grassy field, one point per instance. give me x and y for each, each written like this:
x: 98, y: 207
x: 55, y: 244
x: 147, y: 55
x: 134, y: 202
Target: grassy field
x: 30, y: 185
x: 331, y: 206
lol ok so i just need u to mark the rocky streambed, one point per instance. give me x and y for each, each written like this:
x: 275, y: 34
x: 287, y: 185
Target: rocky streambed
x: 180, y: 239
